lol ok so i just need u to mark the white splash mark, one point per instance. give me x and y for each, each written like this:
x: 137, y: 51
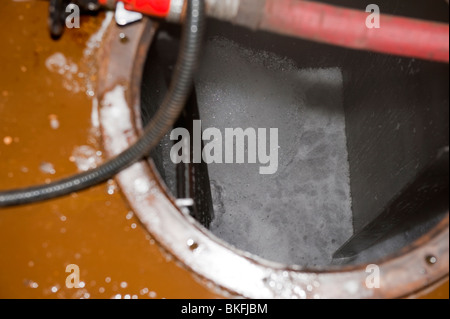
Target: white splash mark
x: 54, y: 121
x: 129, y: 215
x: 116, y: 117
x: 55, y: 288
x: 141, y: 186
x: 65, y: 67
x: 31, y: 284
x: 85, y: 158
x: 47, y: 168
x: 56, y: 63
x: 144, y: 291
x: 95, y: 121
x: 351, y: 287
x: 95, y: 40
x: 111, y: 187
x: 92, y: 45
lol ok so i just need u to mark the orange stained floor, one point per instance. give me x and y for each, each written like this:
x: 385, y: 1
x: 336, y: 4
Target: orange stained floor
x: 45, y: 117
x: 45, y: 120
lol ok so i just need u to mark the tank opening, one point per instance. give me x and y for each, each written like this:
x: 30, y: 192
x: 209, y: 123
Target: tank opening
x: 359, y: 136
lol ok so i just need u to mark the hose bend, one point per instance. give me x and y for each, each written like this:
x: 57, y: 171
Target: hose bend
x: 161, y: 123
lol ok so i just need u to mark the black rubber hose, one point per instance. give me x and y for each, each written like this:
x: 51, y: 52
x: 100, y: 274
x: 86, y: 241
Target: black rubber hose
x: 161, y: 123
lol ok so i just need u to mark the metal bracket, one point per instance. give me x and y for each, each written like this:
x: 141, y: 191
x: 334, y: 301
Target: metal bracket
x: 125, y: 17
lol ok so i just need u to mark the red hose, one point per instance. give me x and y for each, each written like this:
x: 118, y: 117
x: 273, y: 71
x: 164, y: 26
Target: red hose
x: 347, y: 27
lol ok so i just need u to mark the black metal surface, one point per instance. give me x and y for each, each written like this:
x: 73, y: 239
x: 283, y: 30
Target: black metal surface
x: 396, y: 122
x: 184, y: 181
x: 424, y: 198
x: 193, y: 178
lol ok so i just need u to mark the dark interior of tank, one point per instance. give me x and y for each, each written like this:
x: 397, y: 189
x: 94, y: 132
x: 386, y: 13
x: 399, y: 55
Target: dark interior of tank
x: 362, y: 164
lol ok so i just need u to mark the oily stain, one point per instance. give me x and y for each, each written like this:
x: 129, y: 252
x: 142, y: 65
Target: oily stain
x: 46, y: 132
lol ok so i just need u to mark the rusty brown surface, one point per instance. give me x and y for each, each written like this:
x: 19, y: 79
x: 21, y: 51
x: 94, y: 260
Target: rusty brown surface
x: 93, y: 229
x: 440, y: 292
x: 42, y: 119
